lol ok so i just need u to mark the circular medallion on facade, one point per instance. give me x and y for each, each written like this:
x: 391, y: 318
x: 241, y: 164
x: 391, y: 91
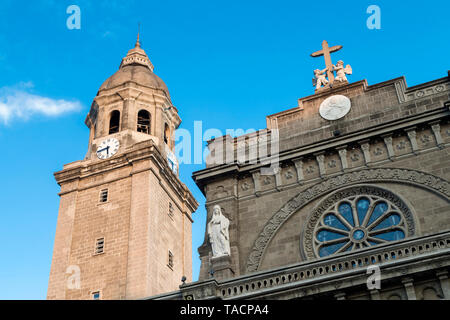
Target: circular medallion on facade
x: 334, y: 107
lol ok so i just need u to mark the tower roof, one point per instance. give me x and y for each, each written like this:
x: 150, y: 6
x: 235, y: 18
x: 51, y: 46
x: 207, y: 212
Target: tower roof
x: 135, y: 67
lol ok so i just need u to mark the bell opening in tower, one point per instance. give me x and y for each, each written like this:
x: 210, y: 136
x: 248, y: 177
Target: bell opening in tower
x: 143, y: 124
x: 114, y: 122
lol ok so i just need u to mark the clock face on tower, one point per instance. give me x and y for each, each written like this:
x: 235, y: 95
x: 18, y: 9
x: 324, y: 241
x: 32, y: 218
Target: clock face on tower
x: 334, y: 107
x: 108, y: 148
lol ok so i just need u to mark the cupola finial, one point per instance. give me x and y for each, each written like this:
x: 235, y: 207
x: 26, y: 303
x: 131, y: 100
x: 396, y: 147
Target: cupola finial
x: 138, y: 44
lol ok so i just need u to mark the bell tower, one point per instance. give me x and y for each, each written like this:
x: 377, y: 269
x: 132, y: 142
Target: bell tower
x: 124, y: 222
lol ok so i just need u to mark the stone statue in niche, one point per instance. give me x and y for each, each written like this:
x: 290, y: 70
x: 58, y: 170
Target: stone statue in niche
x: 218, y: 233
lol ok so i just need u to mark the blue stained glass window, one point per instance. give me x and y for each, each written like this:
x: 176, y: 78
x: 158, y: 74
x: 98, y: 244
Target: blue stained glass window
x: 345, y: 209
x: 327, y: 250
x: 391, y: 235
x: 326, y: 235
x: 332, y: 221
x: 392, y: 220
x: 361, y: 207
x: 353, y: 235
x: 378, y: 211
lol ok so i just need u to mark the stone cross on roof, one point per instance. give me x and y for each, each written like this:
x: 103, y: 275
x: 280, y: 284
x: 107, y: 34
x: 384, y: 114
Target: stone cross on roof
x: 326, y: 50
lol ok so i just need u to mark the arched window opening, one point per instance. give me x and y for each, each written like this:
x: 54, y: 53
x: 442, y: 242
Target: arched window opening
x: 143, y: 122
x: 166, y: 133
x: 114, y: 122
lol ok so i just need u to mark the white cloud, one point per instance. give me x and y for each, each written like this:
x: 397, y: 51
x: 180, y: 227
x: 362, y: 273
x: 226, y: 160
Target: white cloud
x: 19, y: 103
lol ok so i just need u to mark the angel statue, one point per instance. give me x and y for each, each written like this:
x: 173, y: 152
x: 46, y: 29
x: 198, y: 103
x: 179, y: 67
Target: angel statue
x: 320, y: 78
x: 341, y: 71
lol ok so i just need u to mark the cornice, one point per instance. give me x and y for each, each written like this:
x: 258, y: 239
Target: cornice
x: 140, y: 151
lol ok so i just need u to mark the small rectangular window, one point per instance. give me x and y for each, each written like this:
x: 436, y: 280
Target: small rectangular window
x: 99, y: 245
x: 96, y: 295
x: 104, y: 195
x: 170, y: 263
x: 170, y: 212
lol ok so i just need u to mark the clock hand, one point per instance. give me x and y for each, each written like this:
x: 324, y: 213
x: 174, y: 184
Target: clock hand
x: 98, y: 151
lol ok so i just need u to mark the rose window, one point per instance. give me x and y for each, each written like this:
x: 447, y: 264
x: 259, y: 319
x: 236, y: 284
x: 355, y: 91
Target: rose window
x: 358, y: 221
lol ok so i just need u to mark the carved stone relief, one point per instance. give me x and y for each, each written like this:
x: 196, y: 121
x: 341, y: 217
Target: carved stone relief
x: 420, y: 179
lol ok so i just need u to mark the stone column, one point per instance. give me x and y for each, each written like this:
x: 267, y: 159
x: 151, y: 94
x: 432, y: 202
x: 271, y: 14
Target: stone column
x: 409, y: 287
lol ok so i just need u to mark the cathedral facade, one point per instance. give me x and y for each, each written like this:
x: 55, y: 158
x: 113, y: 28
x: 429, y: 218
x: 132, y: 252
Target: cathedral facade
x: 124, y: 222
x: 356, y: 207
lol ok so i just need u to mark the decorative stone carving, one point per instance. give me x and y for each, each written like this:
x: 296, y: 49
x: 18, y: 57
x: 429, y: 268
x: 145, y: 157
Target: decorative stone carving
x: 417, y: 178
x: 319, y: 79
x: 289, y: 175
x: 267, y: 180
x: 401, y: 145
x: 221, y: 192
x: 354, y: 156
x: 332, y: 163
x: 245, y: 186
x: 334, y: 107
x: 378, y: 151
x: 425, y: 138
x: 310, y: 169
x: 218, y: 233
x: 341, y: 71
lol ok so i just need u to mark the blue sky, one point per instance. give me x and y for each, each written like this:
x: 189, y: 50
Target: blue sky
x: 226, y: 63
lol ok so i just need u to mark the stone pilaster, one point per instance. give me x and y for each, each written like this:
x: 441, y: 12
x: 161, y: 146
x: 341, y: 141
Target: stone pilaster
x: 445, y: 283
x: 365, y: 146
x: 299, y: 167
x: 320, y: 157
x: 412, y: 138
x: 409, y: 287
x: 436, y: 127
x: 343, y: 156
x: 222, y: 267
x: 390, y: 149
